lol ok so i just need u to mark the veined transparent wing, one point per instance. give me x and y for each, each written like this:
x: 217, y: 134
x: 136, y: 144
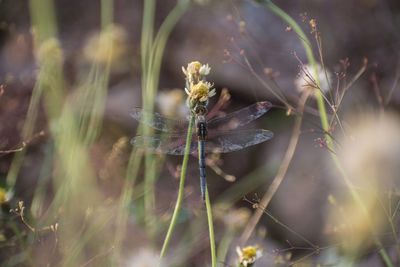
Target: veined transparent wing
x: 159, y: 122
x: 229, y: 141
x: 240, y: 117
x: 230, y: 121
x: 216, y: 142
x: 172, y: 144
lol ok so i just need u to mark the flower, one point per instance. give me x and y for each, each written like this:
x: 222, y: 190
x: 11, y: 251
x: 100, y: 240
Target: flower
x: 171, y: 103
x: 195, y: 71
x: 3, y: 193
x: 204, y: 70
x: 193, y: 67
x: 307, y: 80
x: 110, y: 45
x: 145, y: 258
x: 248, y: 255
x: 369, y: 156
x: 234, y: 219
x: 197, y: 88
x: 49, y: 51
x: 192, y: 71
x: 200, y: 92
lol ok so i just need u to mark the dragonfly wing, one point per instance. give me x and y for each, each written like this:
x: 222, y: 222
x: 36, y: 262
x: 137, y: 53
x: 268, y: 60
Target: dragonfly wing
x: 159, y: 122
x: 241, y: 117
x: 228, y: 141
x: 164, y: 144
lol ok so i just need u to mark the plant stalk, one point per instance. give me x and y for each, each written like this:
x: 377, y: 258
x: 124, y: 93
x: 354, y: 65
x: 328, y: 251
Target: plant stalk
x: 179, y: 199
x: 211, y: 230
x: 323, y: 115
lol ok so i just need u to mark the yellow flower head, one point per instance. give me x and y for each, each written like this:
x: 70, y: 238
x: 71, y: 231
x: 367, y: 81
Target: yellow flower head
x: 3, y: 194
x: 249, y: 252
x: 197, y: 88
x: 193, y: 67
x: 49, y: 51
x: 248, y: 255
x: 200, y: 92
x: 195, y: 71
x: 110, y: 45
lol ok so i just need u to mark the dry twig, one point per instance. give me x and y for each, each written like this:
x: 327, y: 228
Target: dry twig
x: 280, y: 175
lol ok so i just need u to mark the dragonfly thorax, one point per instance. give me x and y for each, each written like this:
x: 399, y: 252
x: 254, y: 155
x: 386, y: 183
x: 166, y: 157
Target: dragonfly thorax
x: 201, y: 127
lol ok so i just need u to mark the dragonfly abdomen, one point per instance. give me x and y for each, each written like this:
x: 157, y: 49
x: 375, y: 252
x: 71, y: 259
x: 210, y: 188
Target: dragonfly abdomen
x: 202, y: 168
x: 202, y: 135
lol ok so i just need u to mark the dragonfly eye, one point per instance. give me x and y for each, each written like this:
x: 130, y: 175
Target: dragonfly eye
x: 200, y: 110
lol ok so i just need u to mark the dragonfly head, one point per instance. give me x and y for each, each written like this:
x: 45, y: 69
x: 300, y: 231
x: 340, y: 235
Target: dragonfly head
x: 200, y: 110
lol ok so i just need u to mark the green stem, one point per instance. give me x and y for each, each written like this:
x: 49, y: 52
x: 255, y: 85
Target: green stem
x: 107, y: 13
x: 180, y: 191
x: 147, y: 36
x: 161, y: 38
x: 148, y: 95
x: 310, y: 57
x: 152, y: 53
x: 124, y: 202
x: 224, y: 244
x: 211, y: 230
x: 385, y: 257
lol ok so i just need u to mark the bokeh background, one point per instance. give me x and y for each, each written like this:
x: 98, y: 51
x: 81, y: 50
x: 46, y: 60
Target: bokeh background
x: 72, y: 71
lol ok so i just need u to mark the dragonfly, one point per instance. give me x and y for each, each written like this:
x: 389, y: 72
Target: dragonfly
x: 217, y: 135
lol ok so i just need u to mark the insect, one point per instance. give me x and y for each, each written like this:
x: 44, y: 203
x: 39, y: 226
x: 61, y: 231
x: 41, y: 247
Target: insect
x: 218, y: 135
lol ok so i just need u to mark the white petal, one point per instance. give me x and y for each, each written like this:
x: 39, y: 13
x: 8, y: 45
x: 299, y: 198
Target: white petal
x: 204, y: 70
x: 203, y: 99
x: 212, y: 93
x: 239, y: 251
x: 187, y: 91
x: 258, y: 254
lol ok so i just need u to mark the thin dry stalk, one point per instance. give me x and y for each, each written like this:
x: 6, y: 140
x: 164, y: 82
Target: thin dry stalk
x: 377, y: 90
x: 394, y: 86
x: 266, y: 199
x: 24, y: 144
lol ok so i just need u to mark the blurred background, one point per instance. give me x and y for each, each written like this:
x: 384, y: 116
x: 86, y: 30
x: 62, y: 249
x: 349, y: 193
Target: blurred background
x: 75, y: 192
